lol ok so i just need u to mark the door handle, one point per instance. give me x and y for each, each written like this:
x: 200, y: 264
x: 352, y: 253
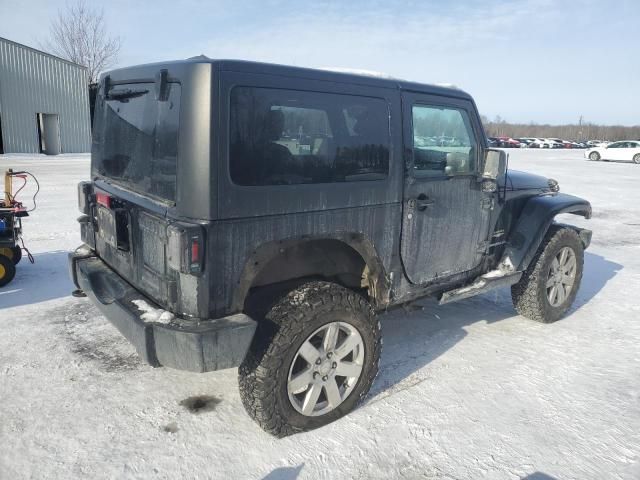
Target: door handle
x: 421, y: 202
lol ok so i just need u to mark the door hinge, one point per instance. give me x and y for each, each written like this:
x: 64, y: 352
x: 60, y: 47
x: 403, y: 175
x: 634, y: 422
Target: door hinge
x: 487, y: 203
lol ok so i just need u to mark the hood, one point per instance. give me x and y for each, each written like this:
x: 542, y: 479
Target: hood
x: 517, y: 180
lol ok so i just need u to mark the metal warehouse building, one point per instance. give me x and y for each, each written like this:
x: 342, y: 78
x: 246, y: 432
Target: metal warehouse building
x: 44, y: 102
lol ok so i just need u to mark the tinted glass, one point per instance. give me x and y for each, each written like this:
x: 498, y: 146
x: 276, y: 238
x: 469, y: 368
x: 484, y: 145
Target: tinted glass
x: 283, y: 137
x: 443, y: 141
x: 135, y: 139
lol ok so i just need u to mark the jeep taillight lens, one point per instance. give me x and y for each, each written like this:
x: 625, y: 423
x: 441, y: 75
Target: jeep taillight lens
x: 103, y: 199
x: 195, y: 250
x: 84, y: 191
x: 185, y: 248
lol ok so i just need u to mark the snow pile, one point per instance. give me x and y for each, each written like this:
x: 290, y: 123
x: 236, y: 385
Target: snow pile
x: 151, y: 314
x: 360, y: 71
x: 468, y: 390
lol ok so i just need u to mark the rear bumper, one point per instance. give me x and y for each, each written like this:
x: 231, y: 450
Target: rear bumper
x: 197, y: 346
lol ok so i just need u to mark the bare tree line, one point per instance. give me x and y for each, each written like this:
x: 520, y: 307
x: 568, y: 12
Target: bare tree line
x: 498, y: 127
x: 79, y: 34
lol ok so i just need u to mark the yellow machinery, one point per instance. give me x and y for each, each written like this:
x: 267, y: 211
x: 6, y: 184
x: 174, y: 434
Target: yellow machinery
x: 11, y: 214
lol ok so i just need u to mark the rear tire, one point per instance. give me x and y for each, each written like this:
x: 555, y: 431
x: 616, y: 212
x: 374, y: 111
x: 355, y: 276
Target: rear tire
x: 594, y: 156
x: 17, y: 255
x: 14, y: 253
x: 543, y: 292
x: 288, y: 380
x: 636, y: 158
x: 7, y: 270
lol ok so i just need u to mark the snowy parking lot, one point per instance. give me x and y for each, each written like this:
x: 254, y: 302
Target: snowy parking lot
x: 466, y: 391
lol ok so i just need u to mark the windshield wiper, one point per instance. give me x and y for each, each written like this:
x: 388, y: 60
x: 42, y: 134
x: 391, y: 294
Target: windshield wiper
x: 124, y: 94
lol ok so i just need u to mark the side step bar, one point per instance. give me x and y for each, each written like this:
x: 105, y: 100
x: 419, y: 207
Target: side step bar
x: 482, y: 284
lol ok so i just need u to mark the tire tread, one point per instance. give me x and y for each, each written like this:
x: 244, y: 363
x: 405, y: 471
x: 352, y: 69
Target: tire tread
x: 528, y: 299
x: 283, y: 325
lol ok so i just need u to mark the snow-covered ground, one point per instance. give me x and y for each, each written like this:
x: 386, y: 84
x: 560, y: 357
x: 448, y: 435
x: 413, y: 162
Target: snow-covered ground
x: 466, y: 391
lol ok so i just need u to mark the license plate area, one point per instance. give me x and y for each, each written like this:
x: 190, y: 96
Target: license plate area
x: 113, y: 226
x: 107, y: 226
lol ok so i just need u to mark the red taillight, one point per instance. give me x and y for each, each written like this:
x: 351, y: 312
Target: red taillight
x: 195, y: 250
x: 103, y: 199
x: 185, y: 248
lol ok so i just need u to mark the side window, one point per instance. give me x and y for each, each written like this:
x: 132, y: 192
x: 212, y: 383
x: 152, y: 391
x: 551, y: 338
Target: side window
x: 286, y: 137
x: 443, y: 141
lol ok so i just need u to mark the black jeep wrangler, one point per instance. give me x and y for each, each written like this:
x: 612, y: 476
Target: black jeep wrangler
x: 254, y: 215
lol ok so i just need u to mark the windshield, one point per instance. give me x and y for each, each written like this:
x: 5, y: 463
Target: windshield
x: 135, y: 139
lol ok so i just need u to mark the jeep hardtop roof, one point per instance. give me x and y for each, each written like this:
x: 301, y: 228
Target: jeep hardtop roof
x: 299, y: 72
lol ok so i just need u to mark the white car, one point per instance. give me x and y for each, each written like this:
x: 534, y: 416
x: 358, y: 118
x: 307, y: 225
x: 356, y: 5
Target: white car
x: 525, y: 141
x: 537, y: 143
x: 551, y: 143
x: 628, y: 150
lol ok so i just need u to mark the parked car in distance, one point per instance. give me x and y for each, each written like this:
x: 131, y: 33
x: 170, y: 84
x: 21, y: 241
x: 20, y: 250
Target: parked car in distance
x: 536, y: 143
x: 527, y: 142
x: 597, y: 143
x: 562, y: 143
x: 626, y: 151
x: 508, y: 142
x: 552, y: 143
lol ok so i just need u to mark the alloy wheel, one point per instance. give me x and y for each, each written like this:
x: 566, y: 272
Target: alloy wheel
x: 561, y: 276
x: 325, y: 369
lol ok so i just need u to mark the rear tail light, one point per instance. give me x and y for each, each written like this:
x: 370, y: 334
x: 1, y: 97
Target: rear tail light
x: 195, y: 250
x: 103, y: 199
x: 185, y: 248
x: 84, y: 190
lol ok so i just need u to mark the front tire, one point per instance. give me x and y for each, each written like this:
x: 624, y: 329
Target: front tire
x: 313, y: 359
x: 549, y: 285
x: 636, y: 158
x: 594, y: 156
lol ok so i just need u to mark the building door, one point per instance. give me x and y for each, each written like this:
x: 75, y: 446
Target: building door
x: 48, y: 133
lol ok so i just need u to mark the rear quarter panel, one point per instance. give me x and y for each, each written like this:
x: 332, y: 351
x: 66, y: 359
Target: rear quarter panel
x: 249, y: 217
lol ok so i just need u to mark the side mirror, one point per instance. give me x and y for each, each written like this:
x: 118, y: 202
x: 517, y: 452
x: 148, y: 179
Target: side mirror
x: 495, y: 164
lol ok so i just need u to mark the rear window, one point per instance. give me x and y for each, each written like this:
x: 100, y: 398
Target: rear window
x: 135, y: 138
x: 286, y: 137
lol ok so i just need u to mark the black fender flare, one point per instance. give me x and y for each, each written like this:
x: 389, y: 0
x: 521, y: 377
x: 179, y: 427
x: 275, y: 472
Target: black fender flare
x: 269, y: 251
x: 534, y: 222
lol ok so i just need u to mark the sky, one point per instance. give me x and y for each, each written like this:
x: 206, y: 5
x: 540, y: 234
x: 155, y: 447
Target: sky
x: 540, y: 61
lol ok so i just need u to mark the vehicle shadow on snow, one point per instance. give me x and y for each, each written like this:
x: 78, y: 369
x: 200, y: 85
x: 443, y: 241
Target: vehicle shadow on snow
x: 597, y: 272
x: 538, y: 476
x: 46, y: 279
x: 284, y: 473
x: 416, y: 335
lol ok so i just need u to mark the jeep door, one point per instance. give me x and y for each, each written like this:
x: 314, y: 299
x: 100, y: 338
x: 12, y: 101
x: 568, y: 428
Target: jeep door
x: 445, y: 213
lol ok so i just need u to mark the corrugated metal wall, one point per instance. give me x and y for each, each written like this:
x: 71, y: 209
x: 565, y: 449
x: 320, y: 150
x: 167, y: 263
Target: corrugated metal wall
x: 34, y: 82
